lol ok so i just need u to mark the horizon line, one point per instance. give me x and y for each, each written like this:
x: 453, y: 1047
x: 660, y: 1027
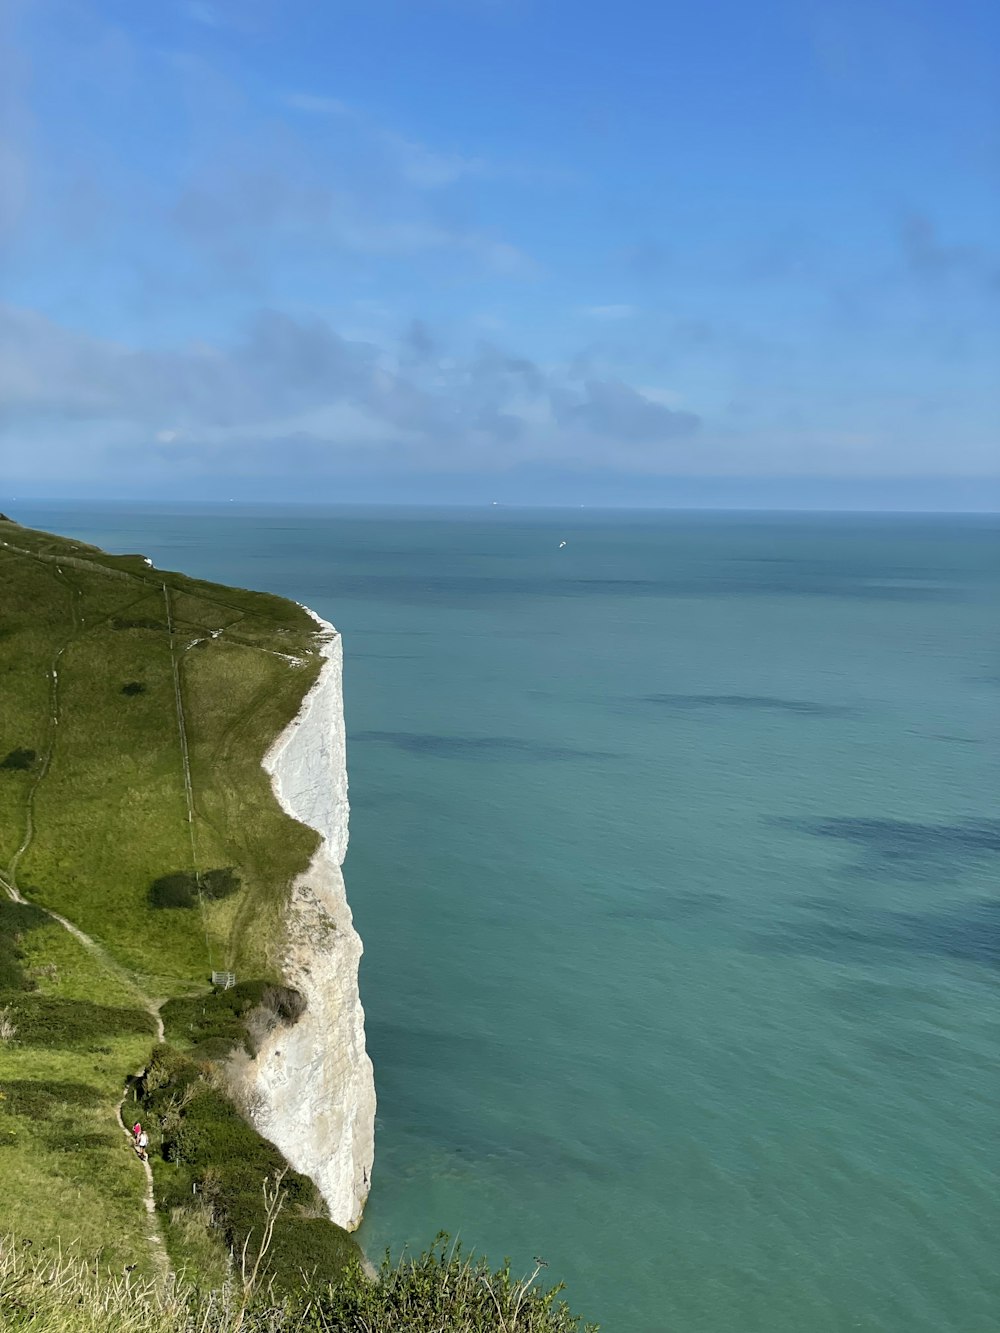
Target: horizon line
x: 474, y: 505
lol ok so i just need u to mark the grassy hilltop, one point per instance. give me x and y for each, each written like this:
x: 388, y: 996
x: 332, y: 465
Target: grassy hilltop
x: 135, y: 708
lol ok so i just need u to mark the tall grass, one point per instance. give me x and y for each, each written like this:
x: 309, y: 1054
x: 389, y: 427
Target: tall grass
x: 441, y: 1292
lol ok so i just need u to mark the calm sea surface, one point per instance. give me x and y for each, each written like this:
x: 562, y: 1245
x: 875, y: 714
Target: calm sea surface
x: 675, y: 856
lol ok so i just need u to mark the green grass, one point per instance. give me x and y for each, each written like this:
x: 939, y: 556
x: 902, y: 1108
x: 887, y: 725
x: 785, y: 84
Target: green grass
x: 110, y: 813
x: 66, y: 1171
x: 93, y: 813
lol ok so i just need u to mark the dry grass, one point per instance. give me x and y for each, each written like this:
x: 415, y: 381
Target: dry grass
x: 8, y: 1028
x: 441, y: 1292
x: 59, y: 1292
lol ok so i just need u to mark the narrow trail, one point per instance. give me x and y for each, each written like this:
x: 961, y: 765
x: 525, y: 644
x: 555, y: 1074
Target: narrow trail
x: 154, y: 1232
x: 50, y: 736
x: 186, y: 768
x: 181, y: 728
x: 8, y: 882
x: 154, y: 1235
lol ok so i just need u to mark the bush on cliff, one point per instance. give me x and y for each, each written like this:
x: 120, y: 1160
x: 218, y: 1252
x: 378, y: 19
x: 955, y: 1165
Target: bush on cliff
x: 209, y: 1026
x: 443, y: 1291
x: 51, y: 1021
x: 19, y: 760
x: 212, y: 1160
x: 15, y: 920
x: 184, y: 887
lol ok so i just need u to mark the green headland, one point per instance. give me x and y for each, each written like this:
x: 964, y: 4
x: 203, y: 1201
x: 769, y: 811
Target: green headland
x: 142, y: 854
x: 141, y: 851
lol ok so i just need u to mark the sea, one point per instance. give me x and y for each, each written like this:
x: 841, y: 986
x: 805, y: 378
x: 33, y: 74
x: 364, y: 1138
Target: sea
x: 674, y: 848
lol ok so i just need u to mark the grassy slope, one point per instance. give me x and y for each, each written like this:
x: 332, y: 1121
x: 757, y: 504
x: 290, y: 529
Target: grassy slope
x: 105, y: 807
x: 63, y: 1170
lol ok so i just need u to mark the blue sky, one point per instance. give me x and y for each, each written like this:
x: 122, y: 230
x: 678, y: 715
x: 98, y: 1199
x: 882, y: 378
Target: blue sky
x: 468, y: 249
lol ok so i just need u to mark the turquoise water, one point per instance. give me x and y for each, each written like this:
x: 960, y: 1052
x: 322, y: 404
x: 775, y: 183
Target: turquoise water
x: 674, y: 852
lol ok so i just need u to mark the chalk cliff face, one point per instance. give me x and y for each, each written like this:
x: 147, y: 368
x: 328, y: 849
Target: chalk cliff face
x: 312, y: 1090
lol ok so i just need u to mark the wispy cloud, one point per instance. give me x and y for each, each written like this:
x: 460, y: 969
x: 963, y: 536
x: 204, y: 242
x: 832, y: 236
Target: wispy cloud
x: 288, y: 380
x: 205, y: 14
x: 427, y: 169
x: 417, y: 163
x: 928, y: 256
x: 609, y: 312
x: 315, y: 105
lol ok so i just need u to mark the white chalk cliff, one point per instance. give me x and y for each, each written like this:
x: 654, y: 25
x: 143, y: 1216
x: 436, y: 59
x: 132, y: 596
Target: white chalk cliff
x: 312, y: 1087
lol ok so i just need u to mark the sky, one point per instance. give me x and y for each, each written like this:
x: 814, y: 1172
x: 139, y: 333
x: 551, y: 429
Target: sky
x: 463, y: 250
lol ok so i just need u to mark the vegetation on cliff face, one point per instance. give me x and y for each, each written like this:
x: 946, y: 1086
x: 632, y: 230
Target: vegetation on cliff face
x: 214, y: 1171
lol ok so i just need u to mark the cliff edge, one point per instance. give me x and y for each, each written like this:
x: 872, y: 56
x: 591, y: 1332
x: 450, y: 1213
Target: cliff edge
x: 311, y: 1088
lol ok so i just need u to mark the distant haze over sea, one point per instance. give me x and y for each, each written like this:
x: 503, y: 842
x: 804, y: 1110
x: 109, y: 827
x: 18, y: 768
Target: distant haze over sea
x: 540, y: 487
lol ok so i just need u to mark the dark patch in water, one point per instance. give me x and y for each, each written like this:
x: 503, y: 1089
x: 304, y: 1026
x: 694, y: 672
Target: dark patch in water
x: 862, y: 996
x: 749, y: 702
x: 968, y: 932
x: 907, y: 849
x: 476, y: 591
x: 393, y: 633
x: 475, y: 747
x: 446, y: 1115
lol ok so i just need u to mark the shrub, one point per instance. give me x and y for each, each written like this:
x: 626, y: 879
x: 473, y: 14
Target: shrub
x: 219, y: 1161
x: 133, y: 687
x: 285, y: 1003
x: 41, y: 1099
x: 311, y: 1247
x: 183, y: 887
x: 441, y: 1292
x: 177, y: 890
x: 50, y: 1021
x: 222, y: 883
x: 19, y: 760
x: 213, y: 1049
x: 15, y: 919
x: 214, y: 1023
